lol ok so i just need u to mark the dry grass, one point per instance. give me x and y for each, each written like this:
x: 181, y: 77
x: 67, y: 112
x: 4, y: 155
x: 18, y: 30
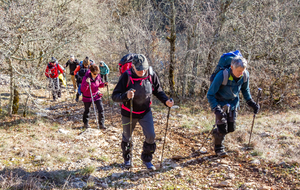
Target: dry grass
x: 36, y: 155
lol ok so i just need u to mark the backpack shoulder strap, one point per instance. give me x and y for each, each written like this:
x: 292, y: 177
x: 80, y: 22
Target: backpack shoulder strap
x: 245, y: 76
x: 225, y: 77
x: 150, y: 70
x: 129, y: 76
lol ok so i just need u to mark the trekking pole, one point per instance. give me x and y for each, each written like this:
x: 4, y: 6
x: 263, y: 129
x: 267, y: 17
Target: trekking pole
x: 258, y: 96
x: 67, y: 85
x: 94, y: 106
x: 107, y: 91
x: 130, y: 123
x: 226, y: 109
x: 162, y: 153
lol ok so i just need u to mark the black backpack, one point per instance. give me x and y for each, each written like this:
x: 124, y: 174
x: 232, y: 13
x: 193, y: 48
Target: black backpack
x: 81, y: 73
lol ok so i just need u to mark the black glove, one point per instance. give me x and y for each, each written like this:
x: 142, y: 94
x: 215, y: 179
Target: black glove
x: 219, y: 112
x: 253, y: 105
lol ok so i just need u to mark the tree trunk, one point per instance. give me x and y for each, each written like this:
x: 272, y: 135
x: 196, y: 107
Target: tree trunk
x: 15, y: 106
x: 212, y: 53
x: 10, y: 108
x: 172, y: 39
x: 185, y: 68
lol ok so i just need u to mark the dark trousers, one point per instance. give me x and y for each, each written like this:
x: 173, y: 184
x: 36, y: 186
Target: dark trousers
x: 104, y: 78
x: 224, y: 125
x: 149, y: 145
x: 100, y: 109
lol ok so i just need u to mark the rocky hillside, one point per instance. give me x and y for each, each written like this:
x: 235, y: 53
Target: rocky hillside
x: 49, y: 149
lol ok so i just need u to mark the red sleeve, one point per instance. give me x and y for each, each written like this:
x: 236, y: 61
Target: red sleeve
x: 46, y: 72
x: 77, y: 69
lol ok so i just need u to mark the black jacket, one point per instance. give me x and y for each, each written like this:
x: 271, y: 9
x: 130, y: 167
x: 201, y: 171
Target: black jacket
x: 73, y: 65
x: 142, y: 96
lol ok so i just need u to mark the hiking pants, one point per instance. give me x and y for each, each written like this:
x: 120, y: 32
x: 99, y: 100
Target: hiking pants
x: 149, y: 145
x: 73, y: 81
x: 104, y: 78
x: 100, y: 109
x: 224, y: 126
x: 79, y: 91
x: 55, y: 87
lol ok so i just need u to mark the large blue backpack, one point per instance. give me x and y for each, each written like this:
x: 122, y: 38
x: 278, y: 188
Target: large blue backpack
x: 224, y: 63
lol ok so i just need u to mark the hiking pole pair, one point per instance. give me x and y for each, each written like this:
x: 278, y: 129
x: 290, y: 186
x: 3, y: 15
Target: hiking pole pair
x: 226, y: 109
x: 258, y: 96
x: 94, y: 105
x: 162, y: 153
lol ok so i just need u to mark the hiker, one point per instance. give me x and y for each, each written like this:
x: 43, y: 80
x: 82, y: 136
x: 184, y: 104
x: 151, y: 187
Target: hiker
x: 73, y: 63
x: 104, y: 71
x: 93, y: 79
x: 52, y: 72
x: 145, y: 82
x: 220, y: 94
x: 79, y: 73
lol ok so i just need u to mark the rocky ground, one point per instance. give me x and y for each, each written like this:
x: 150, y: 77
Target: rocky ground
x: 49, y: 149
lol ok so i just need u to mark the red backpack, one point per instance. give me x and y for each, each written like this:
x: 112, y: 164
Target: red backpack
x: 126, y: 63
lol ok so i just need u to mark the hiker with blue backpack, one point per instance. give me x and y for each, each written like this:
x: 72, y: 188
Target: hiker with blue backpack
x: 134, y: 89
x: 104, y: 70
x: 229, y: 78
x: 79, y: 73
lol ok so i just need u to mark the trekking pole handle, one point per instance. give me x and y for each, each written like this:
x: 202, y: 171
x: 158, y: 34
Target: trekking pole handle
x: 258, y: 95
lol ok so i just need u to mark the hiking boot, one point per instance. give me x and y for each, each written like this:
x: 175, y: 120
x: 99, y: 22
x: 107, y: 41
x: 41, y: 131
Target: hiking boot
x: 221, y: 153
x: 77, y: 97
x: 150, y: 166
x: 127, y: 164
x: 87, y: 126
x: 102, y: 127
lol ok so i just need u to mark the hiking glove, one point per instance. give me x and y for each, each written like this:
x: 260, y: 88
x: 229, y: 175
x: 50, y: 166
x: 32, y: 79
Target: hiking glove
x: 253, y: 105
x: 219, y: 112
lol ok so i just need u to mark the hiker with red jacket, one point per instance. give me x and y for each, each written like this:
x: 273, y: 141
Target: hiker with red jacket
x: 52, y: 72
x: 138, y: 84
x: 92, y: 78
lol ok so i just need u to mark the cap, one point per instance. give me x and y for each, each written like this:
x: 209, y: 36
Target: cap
x: 140, y: 62
x: 53, y: 60
x: 72, y: 56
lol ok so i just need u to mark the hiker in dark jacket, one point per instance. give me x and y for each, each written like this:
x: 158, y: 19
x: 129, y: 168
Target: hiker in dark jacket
x: 92, y: 77
x: 80, y: 72
x: 220, y: 95
x: 73, y: 63
x: 52, y: 72
x: 145, y: 82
